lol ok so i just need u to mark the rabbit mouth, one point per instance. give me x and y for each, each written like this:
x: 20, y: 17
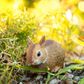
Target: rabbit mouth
x: 37, y: 63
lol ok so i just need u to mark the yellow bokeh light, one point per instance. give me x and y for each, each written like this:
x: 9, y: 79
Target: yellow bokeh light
x: 17, y: 3
x: 45, y: 7
x: 4, y: 5
x: 81, y: 6
x: 12, y: 6
x: 68, y: 15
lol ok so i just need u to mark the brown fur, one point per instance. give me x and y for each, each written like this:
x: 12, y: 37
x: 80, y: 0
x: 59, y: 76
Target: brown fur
x: 29, y: 53
x: 52, y: 54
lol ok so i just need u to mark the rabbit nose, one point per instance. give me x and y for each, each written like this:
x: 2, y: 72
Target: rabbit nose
x: 37, y: 62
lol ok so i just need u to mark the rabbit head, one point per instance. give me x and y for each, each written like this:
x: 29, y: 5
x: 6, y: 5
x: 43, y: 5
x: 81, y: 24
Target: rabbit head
x: 36, y: 54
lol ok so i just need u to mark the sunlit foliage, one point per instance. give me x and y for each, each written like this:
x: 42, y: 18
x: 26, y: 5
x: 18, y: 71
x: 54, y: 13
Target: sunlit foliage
x: 60, y: 20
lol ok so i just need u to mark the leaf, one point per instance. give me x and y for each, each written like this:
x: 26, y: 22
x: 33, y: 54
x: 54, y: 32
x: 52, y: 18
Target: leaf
x: 29, y: 68
x: 81, y: 81
x: 76, y: 40
x: 72, y: 67
x: 48, y: 78
x: 66, y: 69
x: 78, y: 61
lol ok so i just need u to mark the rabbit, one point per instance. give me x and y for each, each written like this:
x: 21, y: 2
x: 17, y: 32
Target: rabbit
x: 46, y: 54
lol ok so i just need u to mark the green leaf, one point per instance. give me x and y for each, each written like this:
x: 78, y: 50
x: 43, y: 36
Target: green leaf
x: 81, y: 81
x: 72, y: 67
x: 29, y: 68
x: 79, y: 61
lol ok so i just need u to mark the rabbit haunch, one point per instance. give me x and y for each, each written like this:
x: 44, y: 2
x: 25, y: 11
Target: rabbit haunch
x: 47, y: 53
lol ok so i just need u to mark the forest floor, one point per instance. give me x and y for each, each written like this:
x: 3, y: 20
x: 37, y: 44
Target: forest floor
x: 15, y: 73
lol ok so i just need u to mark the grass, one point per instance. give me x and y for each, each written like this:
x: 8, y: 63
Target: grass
x: 12, y: 48
x: 14, y: 30
x: 8, y: 71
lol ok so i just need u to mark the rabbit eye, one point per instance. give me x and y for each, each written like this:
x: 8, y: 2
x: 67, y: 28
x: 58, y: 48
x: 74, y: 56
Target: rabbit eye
x: 38, y: 53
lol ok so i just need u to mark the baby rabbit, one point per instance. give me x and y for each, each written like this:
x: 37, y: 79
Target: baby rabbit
x: 46, y: 53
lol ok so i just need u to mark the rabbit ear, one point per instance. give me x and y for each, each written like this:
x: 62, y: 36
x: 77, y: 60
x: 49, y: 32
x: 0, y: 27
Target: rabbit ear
x: 42, y: 40
x: 29, y: 42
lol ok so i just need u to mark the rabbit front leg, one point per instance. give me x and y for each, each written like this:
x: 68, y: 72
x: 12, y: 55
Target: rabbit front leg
x: 55, y: 69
